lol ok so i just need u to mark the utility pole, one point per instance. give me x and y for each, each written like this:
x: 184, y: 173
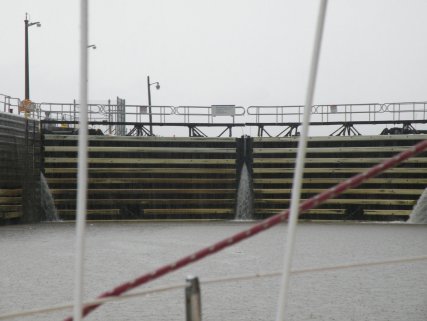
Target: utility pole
x: 149, y: 106
x: 149, y: 101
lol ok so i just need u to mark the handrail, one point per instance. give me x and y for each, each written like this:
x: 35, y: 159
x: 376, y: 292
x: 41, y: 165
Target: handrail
x: 280, y: 114
x: 343, y: 112
x: 99, y: 112
x: 8, y: 102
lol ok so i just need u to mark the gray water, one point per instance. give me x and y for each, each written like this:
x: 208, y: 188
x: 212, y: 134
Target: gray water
x: 419, y: 213
x: 244, y: 209
x: 48, y: 208
x: 36, y: 269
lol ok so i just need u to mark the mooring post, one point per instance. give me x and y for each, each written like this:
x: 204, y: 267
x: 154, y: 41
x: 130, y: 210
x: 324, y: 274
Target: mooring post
x: 193, y: 301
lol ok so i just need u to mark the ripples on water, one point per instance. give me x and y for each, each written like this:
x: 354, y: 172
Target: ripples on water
x: 37, y: 270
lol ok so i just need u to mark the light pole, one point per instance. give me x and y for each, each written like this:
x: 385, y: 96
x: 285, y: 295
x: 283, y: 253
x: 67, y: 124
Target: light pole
x: 27, y: 64
x: 149, y: 101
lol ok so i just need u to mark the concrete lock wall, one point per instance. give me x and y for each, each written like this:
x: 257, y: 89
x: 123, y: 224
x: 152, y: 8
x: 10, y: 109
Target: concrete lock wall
x: 145, y: 177
x: 20, y: 164
x: 160, y: 177
x: 168, y: 177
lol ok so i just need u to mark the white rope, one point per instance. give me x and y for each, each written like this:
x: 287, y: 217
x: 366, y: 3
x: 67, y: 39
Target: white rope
x: 82, y: 165
x: 214, y: 281
x: 299, y: 168
x: 66, y: 306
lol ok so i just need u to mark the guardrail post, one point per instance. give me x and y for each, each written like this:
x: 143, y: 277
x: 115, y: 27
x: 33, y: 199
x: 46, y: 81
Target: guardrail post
x: 193, y: 302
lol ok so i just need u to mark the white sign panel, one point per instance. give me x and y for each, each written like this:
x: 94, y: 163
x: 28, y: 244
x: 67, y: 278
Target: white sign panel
x: 223, y: 110
x: 143, y: 109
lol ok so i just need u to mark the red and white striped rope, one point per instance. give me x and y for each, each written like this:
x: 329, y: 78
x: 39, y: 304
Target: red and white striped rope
x: 262, y: 226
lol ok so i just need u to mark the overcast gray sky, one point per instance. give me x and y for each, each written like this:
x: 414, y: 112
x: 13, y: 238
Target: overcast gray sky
x: 243, y: 52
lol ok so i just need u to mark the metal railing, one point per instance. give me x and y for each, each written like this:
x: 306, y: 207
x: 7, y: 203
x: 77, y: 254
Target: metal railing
x: 102, y: 112
x: 9, y: 104
x: 107, y: 114
x: 341, y: 113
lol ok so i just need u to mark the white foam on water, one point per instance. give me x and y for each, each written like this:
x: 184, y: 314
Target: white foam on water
x: 244, y: 210
x: 419, y: 213
x: 48, y: 208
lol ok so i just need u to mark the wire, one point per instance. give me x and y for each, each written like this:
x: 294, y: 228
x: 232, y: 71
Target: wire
x: 82, y: 165
x: 214, y: 281
x: 299, y: 167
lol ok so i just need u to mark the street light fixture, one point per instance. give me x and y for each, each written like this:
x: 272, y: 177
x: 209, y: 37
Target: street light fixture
x: 27, y: 71
x: 149, y: 101
x: 91, y: 46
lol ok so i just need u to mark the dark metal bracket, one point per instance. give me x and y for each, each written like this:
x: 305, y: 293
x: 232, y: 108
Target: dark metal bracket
x: 346, y: 129
x: 139, y: 130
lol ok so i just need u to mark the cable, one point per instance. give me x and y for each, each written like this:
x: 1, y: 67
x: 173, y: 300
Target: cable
x: 82, y: 165
x: 299, y: 166
x: 215, y: 281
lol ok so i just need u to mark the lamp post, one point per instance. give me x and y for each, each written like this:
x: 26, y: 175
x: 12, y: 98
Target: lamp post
x: 27, y: 64
x: 149, y: 101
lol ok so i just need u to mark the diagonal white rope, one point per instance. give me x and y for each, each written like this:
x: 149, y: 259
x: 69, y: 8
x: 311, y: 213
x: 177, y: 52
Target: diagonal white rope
x: 300, y: 162
x: 82, y: 165
x: 236, y: 278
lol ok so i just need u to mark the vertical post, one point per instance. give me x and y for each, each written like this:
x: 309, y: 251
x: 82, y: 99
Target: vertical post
x: 27, y: 71
x: 26, y: 185
x: 109, y: 116
x: 74, y: 113
x: 150, y: 115
x: 193, y: 302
